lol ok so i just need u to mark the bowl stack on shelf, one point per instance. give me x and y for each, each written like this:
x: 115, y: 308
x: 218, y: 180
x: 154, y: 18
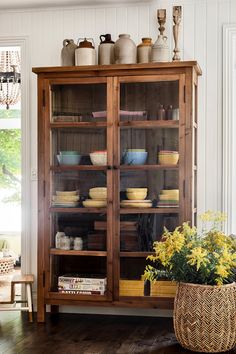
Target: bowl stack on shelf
x: 65, y: 199
x: 168, y: 198
x: 136, y: 198
x: 98, y: 197
x: 168, y: 157
x: 69, y: 157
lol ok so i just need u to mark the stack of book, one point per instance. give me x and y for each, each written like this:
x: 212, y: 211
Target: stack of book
x: 82, y: 284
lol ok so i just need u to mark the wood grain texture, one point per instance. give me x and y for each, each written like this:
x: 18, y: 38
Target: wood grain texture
x: 85, y: 334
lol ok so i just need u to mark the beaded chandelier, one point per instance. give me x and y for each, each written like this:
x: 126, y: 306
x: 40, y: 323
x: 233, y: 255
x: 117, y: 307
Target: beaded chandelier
x: 10, y: 77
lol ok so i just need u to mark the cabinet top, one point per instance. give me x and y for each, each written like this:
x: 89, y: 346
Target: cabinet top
x: 116, y: 68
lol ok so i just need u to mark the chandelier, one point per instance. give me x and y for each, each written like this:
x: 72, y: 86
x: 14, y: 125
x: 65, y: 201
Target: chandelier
x: 10, y: 77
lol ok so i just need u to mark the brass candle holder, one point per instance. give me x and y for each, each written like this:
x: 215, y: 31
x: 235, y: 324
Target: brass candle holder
x: 161, y: 18
x: 177, y: 15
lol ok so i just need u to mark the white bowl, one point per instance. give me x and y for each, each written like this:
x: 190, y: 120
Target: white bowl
x: 98, y: 158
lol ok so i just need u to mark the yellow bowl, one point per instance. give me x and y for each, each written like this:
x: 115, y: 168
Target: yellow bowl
x: 90, y: 203
x: 169, y: 197
x: 66, y: 193
x: 137, y: 195
x: 136, y: 190
x: 98, y: 193
x: 168, y: 159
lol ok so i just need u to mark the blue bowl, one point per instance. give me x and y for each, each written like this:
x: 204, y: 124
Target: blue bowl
x: 69, y: 159
x: 135, y: 157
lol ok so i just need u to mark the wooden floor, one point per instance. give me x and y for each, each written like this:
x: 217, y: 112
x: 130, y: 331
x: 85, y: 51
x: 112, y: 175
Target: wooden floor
x: 87, y: 334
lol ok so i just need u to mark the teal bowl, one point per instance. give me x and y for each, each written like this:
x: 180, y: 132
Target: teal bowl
x: 69, y: 159
x: 68, y: 152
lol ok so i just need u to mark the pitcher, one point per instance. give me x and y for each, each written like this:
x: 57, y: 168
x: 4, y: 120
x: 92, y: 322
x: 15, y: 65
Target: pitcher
x: 160, y: 50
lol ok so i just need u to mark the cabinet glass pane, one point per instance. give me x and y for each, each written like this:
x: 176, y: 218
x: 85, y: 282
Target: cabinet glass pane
x: 83, y: 141
x: 82, y: 251
x: 80, y: 181
x: 149, y: 101
x: 78, y: 103
x: 143, y: 146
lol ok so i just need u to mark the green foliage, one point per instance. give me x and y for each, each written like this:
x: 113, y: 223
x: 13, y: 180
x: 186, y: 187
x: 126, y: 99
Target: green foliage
x: 10, y: 113
x: 10, y: 156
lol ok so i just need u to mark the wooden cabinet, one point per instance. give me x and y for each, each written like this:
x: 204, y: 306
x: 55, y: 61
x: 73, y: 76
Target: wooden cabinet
x: 145, y: 111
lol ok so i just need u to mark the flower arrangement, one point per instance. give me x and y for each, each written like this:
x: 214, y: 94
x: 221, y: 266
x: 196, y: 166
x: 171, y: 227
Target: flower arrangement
x: 186, y: 255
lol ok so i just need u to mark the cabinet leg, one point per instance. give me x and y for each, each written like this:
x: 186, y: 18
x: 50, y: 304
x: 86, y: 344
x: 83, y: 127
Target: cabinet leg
x: 54, y: 309
x: 41, y: 312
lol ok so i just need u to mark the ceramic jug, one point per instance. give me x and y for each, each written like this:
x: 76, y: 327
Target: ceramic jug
x: 68, y: 52
x: 106, y: 50
x: 125, y: 50
x: 144, y: 50
x: 160, y: 50
x: 85, y: 54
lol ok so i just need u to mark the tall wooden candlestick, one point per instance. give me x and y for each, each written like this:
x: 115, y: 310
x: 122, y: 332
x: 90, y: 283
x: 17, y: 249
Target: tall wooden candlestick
x: 161, y: 18
x: 177, y: 13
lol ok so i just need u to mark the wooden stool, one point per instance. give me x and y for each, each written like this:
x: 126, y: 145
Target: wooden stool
x: 28, y: 280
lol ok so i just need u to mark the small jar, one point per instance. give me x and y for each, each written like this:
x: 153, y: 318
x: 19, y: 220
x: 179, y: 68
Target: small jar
x: 58, y: 237
x: 78, y: 243
x: 144, y: 50
x: 65, y: 243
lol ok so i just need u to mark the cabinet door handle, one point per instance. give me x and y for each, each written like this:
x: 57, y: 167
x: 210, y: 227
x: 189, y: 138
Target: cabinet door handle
x: 109, y: 167
x: 115, y: 167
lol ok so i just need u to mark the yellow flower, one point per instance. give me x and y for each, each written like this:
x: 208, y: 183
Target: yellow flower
x: 222, y: 271
x: 198, y: 257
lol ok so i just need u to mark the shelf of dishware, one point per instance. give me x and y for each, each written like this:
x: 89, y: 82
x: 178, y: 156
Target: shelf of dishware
x: 151, y: 210
x: 148, y: 167
x: 62, y: 168
x: 78, y: 210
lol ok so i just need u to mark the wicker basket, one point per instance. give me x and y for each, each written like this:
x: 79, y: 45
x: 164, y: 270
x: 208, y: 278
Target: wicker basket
x: 6, y: 265
x: 205, y: 317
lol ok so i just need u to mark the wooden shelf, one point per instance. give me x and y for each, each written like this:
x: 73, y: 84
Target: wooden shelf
x: 136, y: 254
x: 149, y: 210
x: 62, y: 168
x: 148, y: 167
x: 78, y: 210
x: 149, y: 124
x: 57, y: 295
x: 78, y: 125
x: 59, y: 252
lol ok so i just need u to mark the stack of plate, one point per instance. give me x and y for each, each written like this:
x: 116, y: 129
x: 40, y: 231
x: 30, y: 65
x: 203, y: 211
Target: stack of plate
x: 65, y: 199
x: 98, y: 197
x: 168, y: 198
x: 136, y: 203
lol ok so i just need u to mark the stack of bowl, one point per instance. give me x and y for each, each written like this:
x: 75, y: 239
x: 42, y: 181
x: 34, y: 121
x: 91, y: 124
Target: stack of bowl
x: 65, y: 199
x: 168, y: 198
x: 135, y: 156
x: 168, y: 157
x: 136, y: 198
x: 69, y: 157
x: 99, y: 157
x: 98, y: 197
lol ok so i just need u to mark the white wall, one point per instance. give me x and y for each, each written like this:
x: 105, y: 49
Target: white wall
x: 201, y: 39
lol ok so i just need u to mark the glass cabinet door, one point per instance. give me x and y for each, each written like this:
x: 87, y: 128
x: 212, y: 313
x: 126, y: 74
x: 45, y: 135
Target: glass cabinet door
x: 151, y: 166
x: 78, y: 190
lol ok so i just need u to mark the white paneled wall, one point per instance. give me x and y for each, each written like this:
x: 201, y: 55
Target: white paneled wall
x: 201, y: 39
